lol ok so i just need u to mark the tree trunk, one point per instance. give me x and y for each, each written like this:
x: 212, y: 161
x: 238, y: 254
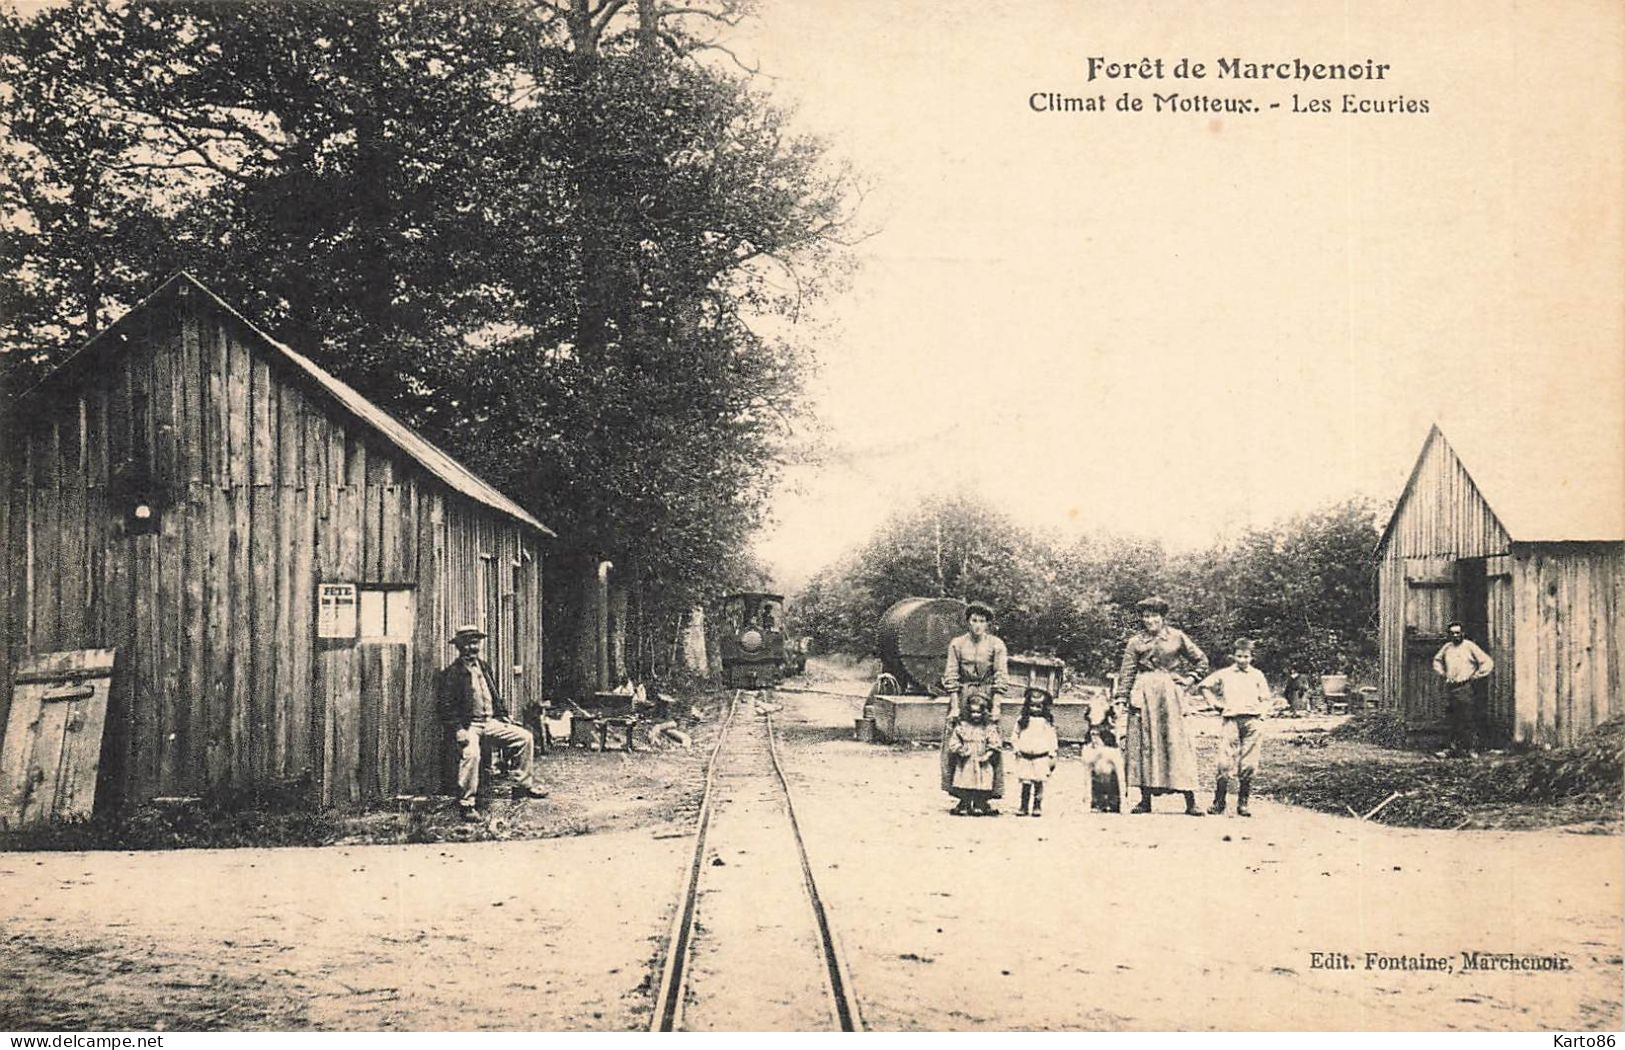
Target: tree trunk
x: 374, y: 206
x: 619, y: 670
x: 89, y: 268
x: 648, y: 27
x: 942, y: 584
x: 694, y: 657
x: 594, y: 225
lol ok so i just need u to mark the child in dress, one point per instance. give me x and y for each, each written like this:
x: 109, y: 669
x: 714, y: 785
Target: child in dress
x: 978, y: 773
x: 1036, y: 747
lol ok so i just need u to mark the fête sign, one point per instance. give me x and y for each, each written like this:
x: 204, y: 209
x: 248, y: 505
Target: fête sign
x: 335, y: 610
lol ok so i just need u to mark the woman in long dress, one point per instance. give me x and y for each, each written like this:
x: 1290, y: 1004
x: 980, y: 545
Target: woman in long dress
x: 1159, y: 664
x: 978, y: 664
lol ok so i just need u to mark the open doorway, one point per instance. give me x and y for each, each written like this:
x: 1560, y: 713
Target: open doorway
x: 1473, y: 610
x: 1473, y: 598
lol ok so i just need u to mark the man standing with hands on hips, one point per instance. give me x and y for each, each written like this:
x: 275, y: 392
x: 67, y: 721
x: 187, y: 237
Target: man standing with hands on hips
x: 1462, y: 664
x: 469, y: 704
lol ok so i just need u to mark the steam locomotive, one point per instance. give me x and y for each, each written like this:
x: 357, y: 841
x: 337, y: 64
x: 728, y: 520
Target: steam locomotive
x: 753, y: 640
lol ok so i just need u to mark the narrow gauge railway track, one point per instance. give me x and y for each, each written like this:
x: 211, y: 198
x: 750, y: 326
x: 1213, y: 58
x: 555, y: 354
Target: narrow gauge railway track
x: 751, y: 939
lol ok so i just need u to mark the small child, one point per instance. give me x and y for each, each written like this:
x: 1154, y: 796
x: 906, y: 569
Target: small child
x: 1036, y: 746
x: 1244, y: 697
x: 978, y: 772
x: 1102, y: 765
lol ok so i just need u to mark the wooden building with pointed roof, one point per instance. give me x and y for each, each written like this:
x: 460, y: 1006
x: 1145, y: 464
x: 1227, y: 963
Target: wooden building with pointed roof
x: 279, y: 563
x: 1520, y: 536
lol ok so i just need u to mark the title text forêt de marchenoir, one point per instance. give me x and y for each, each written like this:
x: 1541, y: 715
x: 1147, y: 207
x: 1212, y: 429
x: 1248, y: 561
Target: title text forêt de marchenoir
x: 1102, y: 68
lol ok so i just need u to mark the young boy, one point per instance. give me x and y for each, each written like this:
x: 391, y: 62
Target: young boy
x: 1243, y: 697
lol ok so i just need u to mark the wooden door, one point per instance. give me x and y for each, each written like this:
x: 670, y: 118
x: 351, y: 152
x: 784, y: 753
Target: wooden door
x: 1430, y: 605
x: 53, y: 738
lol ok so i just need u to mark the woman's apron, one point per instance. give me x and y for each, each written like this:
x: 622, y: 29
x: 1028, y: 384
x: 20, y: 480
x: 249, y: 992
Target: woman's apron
x: 1157, y: 752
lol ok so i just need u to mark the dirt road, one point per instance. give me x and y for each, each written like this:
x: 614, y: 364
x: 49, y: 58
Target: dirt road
x: 1074, y: 921
x: 1101, y: 921
x: 550, y: 934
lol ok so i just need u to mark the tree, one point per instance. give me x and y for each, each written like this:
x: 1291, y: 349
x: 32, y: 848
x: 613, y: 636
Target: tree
x: 1303, y: 589
x: 544, y: 234
x: 73, y: 185
x: 947, y: 547
x: 1307, y: 588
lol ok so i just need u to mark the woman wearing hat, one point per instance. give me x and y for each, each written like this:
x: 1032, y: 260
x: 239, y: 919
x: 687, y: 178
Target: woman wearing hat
x: 978, y: 665
x: 1159, y: 663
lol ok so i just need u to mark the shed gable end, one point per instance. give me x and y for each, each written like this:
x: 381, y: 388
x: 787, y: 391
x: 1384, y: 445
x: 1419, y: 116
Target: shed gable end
x: 1441, y: 512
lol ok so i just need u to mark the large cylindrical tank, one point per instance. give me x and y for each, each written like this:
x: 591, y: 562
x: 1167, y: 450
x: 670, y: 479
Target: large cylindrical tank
x: 914, y: 637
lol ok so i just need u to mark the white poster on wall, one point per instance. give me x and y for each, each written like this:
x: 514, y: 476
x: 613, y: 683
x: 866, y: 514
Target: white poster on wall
x: 335, y: 610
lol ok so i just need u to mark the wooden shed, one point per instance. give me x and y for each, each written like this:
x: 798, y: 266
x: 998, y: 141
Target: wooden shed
x: 278, y: 562
x: 1520, y: 536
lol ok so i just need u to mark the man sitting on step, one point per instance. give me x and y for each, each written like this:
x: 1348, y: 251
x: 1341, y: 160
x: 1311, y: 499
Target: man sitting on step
x: 469, y: 704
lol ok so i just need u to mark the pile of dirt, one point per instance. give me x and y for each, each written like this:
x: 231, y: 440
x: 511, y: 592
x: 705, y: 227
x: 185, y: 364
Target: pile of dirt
x: 1596, y: 767
x: 1584, y: 783
x: 1382, y: 728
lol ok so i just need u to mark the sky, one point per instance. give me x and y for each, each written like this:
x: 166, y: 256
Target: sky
x: 1182, y: 325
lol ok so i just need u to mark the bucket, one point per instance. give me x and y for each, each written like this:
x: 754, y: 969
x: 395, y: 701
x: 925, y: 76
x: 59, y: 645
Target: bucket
x: 863, y: 730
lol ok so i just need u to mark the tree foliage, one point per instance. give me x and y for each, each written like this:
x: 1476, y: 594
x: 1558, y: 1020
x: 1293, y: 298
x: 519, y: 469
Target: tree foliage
x: 547, y: 234
x: 1305, y: 589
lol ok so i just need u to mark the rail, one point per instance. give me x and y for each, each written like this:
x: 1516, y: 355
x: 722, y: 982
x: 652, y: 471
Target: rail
x: 673, y: 990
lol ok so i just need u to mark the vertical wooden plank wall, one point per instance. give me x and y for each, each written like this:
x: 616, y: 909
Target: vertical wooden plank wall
x: 1553, y: 608
x: 1571, y: 652
x: 1502, y: 647
x: 1390, y: 625
x: 117, y: 620
x: 298, y: 566
x: 214, y: 362
x: 428, y: 642
x: 194, y: 507
x: 170, y: 418
x: 272, y: 489
x: 266, y: 698
x: 390, y: 557
x: 319, y: 482
x: 287, y: 441
x: 371, y: 702
x: 239, y: 539
x: 1441, y: 517
x: 143, y: 653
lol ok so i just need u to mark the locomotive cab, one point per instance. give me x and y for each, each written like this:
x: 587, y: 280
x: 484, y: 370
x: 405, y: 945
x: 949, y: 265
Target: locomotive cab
x: 752, y: 640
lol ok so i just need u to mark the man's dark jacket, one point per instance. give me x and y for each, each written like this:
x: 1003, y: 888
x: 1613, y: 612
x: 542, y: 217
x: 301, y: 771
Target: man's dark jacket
x: 454, y: 692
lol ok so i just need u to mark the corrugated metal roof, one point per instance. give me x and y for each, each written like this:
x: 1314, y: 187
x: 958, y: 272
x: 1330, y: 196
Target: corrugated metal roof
x: 431, y: 458
x: 1561, y: 482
